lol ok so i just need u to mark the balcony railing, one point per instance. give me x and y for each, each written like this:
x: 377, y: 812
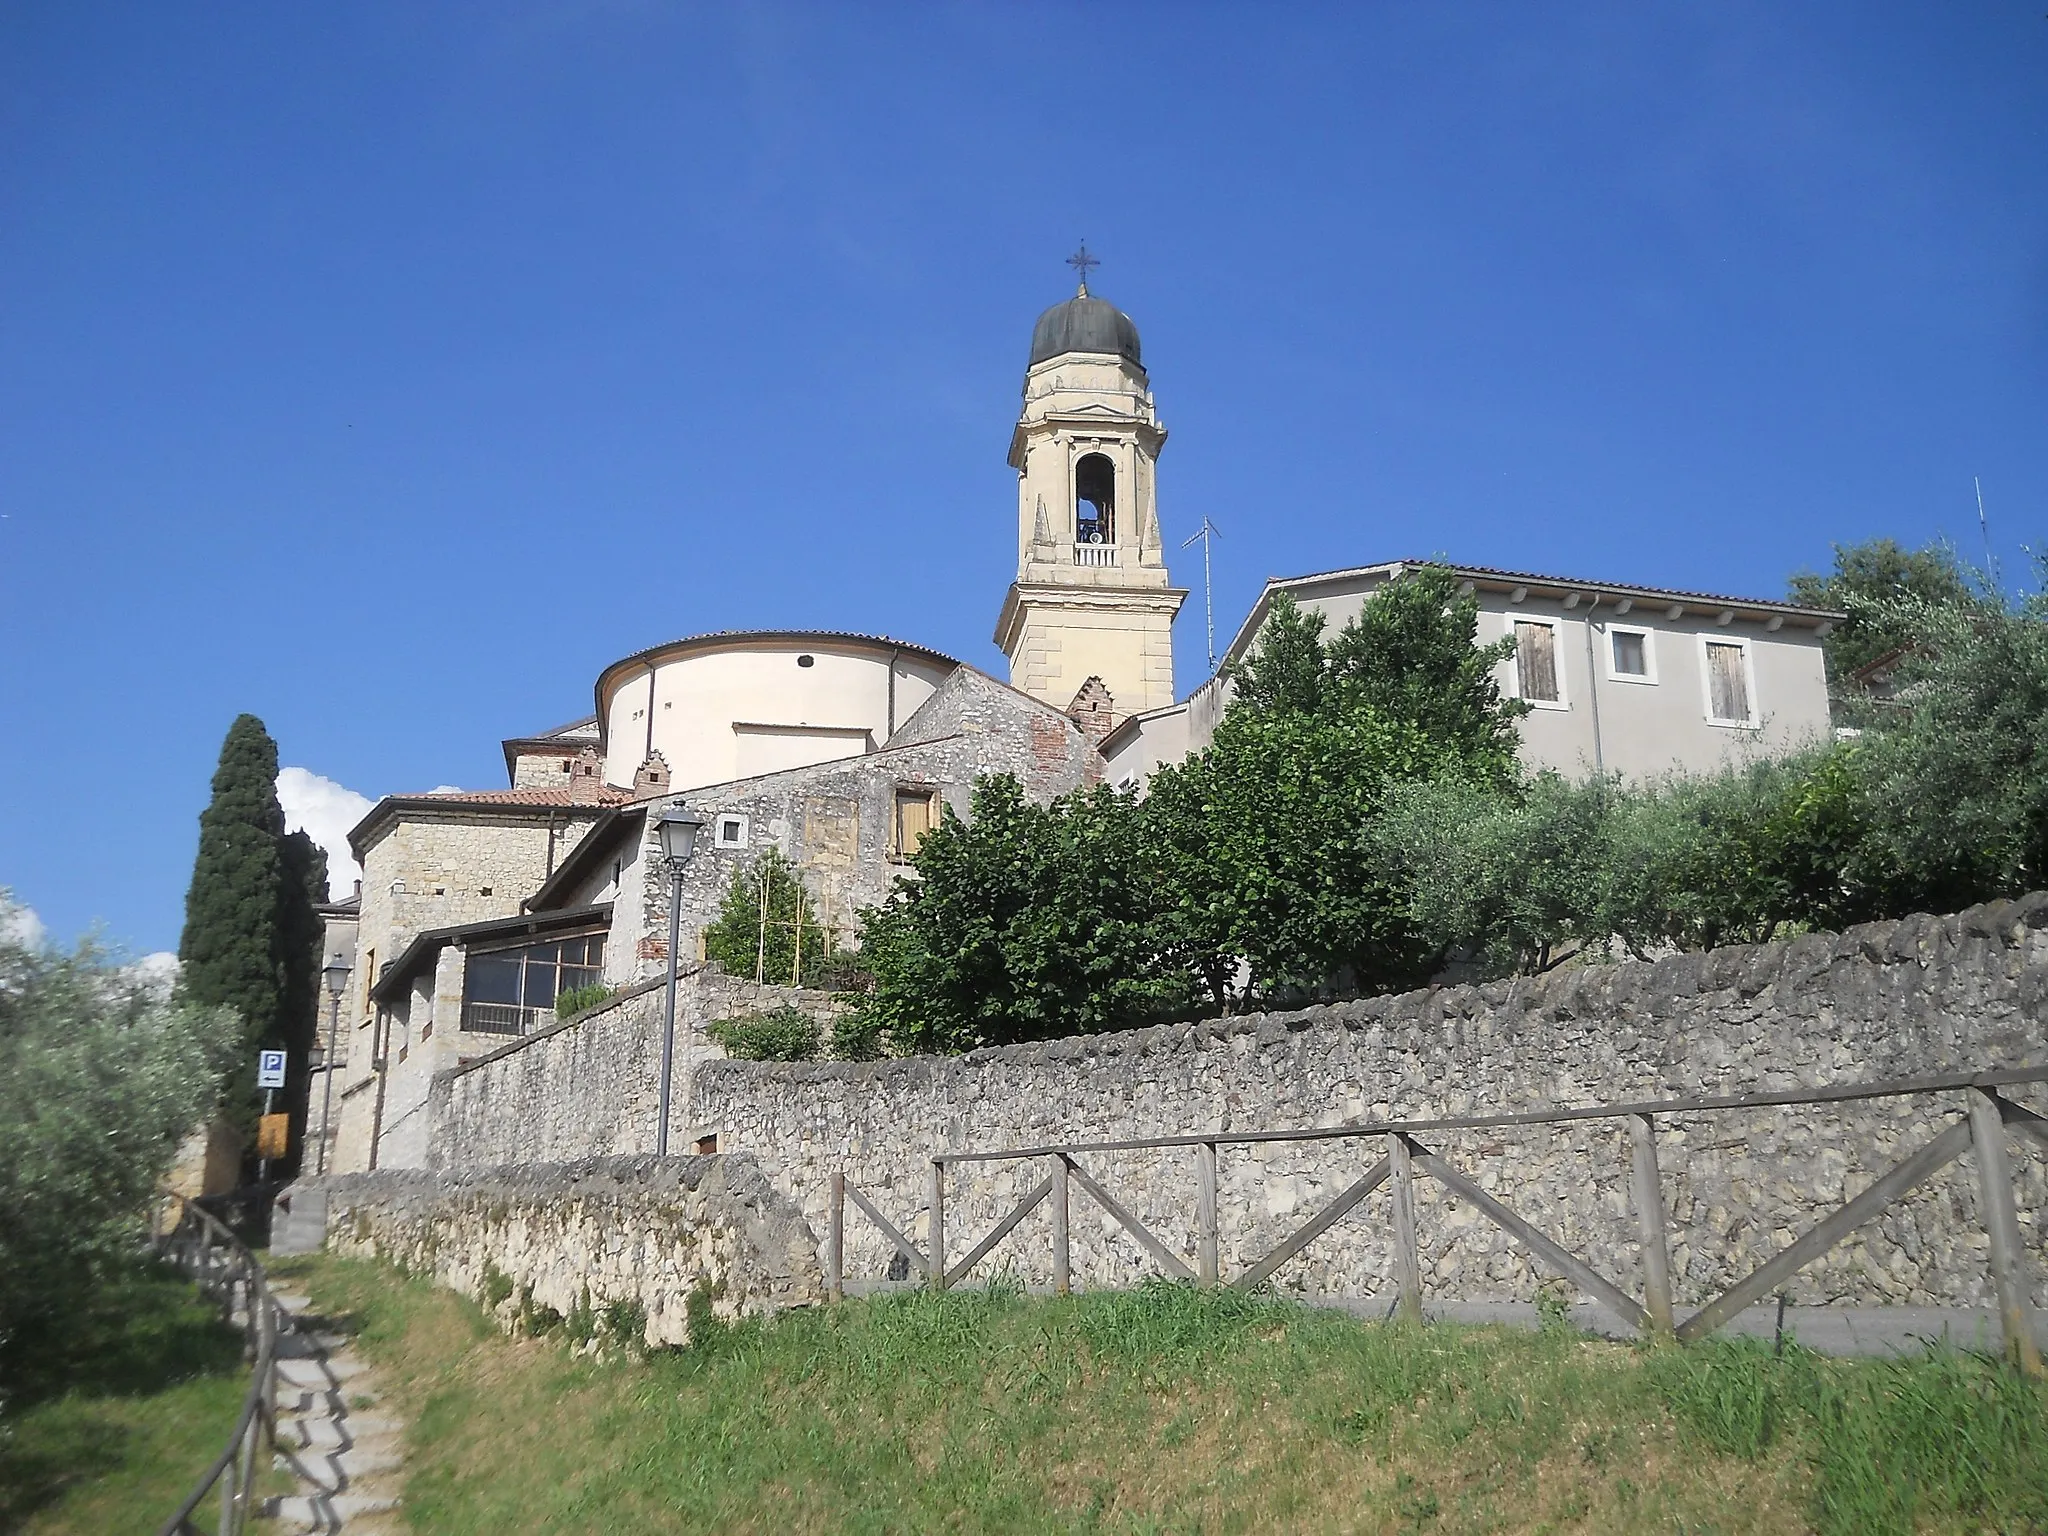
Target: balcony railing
x: 1095, y: 554
x: 503, y: 1018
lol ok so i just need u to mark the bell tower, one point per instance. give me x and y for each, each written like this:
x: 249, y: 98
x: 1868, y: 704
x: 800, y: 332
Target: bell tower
x: 1092, y: 597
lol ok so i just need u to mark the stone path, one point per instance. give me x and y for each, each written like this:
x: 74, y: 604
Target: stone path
x: 346, y: 1454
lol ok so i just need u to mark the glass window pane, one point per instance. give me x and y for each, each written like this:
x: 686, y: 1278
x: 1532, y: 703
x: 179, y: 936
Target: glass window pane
x: 491, y: 979
x: 1631, y: 657
x: 540, y: 982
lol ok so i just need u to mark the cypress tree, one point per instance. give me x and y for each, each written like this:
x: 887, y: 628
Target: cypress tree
x: 232, y: 947
x: 302, y: 889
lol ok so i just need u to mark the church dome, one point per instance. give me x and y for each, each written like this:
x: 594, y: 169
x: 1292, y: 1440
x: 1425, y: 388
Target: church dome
x: 1084, y: 324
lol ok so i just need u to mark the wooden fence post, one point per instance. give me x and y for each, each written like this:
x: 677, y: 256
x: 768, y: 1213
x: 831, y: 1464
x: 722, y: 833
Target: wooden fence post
x: 1206, y: 1263
x: 1407, y: 1263
x: 2001, y: 1223
x: 935, y: 1204
x: 835, y: 1245
x: 1062, y: 1278
x: 1649, y: 1203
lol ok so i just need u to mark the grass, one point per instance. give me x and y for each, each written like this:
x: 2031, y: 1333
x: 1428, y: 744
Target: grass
x: 112, y: 1415
x: 1174, y: 1410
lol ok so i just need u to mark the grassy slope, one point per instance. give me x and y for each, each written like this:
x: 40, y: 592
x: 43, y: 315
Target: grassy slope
x: 111, y: 1418
x: 1174, y: 1410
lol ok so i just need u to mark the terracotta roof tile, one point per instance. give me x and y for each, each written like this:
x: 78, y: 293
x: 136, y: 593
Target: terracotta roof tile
x: 551, y: 794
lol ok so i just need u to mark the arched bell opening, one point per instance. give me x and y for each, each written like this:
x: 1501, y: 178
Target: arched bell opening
x: 1095, y: 500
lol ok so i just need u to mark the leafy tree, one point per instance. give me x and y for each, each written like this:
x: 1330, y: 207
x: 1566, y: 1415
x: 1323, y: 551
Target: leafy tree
x: 1867, y: 581
x: 1263, y: 848
x: 1288, y: 669
x: 767, y: 927
x: 101, y: 1076
x: 1264, y: 839
x: 1412, y: 654
x: 232, y: 947
x: 1025, y: 923
x: 1955, y: 766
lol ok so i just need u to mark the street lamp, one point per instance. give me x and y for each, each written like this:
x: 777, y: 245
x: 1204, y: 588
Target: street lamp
x: 335, y: 975
x: 676, y: 829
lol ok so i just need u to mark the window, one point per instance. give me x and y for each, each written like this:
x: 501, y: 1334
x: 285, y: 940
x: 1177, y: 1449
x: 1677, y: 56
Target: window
x: 1094, y: 500
x: 1536, y: 672
x: 506, y: 991
x: 916, y: 809
x: 729, y: 832
x: 1730, y: 699
x: 1630, y: 658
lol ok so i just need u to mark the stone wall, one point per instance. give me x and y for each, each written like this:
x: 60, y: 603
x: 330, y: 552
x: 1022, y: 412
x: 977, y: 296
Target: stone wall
x: 607, y: 1239
x: 589, y: 1086
x: 1921, y: 996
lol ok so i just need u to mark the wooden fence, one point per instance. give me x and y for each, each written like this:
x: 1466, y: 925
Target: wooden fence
x: 1983, y: 1120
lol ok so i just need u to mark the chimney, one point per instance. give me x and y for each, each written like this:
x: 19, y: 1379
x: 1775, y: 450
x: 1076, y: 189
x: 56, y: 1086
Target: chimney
x: 1093, y: 710
x: 586, y: 778
x: 651, y: 778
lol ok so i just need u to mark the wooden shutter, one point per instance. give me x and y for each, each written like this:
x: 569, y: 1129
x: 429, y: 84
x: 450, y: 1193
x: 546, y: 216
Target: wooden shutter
x: 1536, y: 661
x: 1727, y: 682
x: 913, y: 819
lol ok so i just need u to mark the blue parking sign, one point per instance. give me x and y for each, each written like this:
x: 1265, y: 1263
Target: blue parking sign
x: 270, y: 1069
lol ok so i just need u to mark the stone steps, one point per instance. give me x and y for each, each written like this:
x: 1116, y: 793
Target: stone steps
x: 347, y: 1460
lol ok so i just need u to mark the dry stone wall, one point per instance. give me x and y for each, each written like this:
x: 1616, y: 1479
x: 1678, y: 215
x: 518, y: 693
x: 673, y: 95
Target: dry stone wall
x: 1924, y: 995
x: 621, y: 1243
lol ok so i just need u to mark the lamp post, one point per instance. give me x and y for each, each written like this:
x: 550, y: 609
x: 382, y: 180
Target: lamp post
x: 335, y: 975
x: 677, y: 830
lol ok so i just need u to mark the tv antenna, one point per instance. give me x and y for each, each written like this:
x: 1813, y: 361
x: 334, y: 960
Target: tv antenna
x: 1984, y: 527
x: 1205, y: 533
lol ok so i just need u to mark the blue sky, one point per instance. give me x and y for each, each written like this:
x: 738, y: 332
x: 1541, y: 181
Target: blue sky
x: 386, y: 370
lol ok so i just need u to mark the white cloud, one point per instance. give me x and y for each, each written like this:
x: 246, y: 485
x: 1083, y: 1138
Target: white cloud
x: 20, y: 924
x: 157, y: 972
x: 324, y: 811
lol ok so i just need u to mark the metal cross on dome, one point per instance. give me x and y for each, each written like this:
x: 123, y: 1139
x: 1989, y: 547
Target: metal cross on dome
x: 1081, y: 261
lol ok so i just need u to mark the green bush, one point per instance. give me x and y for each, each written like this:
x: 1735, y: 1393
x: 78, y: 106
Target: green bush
x: 576, y: 999
x: 779, y: 1034
x: 858, y: 1037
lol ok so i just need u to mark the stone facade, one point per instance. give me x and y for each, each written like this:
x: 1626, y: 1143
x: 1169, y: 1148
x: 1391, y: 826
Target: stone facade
x: 616, y: 1240
x: 1924, y: 995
